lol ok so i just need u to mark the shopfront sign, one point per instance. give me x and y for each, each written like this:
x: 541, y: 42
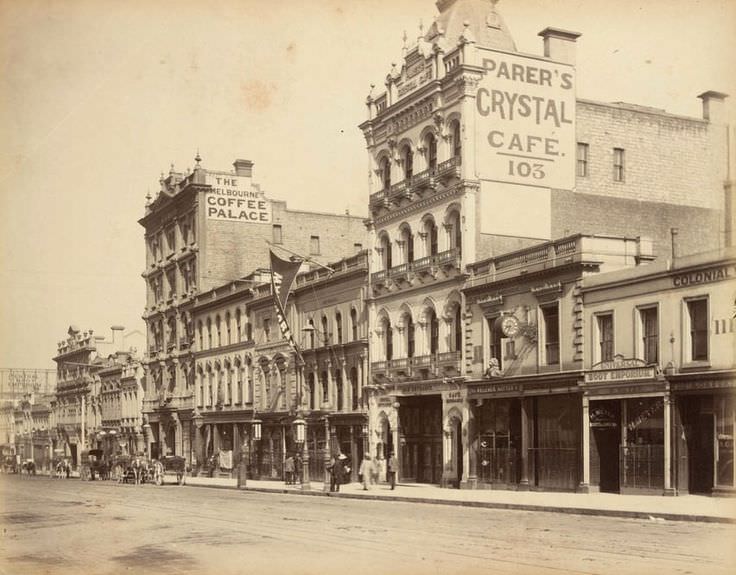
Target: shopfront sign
x: 620, y: 370
x: 600, y: 417
x: 704, y: 276
x: 492, y: 388
x: 420, y: 388
x: 526, y: 121
x: 454, y: 397
x: 232, y: 198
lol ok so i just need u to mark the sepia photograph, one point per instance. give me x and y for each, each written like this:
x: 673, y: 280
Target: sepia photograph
x: 368, y: 286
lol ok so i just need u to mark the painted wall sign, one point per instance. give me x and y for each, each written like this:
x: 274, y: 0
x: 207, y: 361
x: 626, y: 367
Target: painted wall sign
x: 526, y: 121
x: 704, y: 276
x: 487, y: 388
x: 620, y: 369
x: 233, y: 199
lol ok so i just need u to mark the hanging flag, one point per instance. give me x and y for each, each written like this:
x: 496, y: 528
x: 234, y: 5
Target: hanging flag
x: 283, y: 273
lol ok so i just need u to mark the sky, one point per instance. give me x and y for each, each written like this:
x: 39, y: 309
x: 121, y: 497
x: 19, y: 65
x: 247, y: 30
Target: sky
x: 97, y: 99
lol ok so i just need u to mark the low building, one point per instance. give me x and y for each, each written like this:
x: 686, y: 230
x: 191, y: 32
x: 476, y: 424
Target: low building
x: 660, y: 372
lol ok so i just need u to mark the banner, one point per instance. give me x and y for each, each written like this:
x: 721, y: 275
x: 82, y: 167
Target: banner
x: 283, y: 273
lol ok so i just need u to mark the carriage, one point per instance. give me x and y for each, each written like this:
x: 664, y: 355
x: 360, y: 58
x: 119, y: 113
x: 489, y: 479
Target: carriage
x: 169, y: 465
x: 93, y: 465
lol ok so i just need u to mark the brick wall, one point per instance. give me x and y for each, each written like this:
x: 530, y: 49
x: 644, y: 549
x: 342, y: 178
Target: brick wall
x: 668, y: 158
x: 234, y: 249
x: 698, y: 228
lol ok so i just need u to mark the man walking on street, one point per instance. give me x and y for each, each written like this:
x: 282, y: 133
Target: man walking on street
x: 393, y: 468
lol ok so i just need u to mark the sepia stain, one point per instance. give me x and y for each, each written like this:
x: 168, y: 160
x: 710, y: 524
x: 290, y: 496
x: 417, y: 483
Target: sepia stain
x: 291, y: 50
x: 257, y: 95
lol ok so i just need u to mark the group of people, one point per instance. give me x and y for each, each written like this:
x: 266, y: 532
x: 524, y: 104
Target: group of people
x: 339, y: 469
x: 293, y: 470
x: 369, y: 471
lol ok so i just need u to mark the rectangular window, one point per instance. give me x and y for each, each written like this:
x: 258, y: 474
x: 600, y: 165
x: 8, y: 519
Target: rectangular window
x: 494, y: 341
x: 551, y: 315
x: 582, y: 159
x: 605, y: 337
x: 618, y: 164
x: 277, y: 237
x: 267, y: 328
x: 314, y: 245
x: 649, y: 334
x: 698, y: 315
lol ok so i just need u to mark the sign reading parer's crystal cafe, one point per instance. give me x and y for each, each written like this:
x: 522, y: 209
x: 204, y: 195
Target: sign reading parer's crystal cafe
x: 526, y: 121
x: 233, y: 198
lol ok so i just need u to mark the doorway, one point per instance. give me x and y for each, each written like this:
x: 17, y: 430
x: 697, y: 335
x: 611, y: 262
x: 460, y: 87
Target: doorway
x: 457, y: 450
x: 608, y: 441
x: 700, y: 448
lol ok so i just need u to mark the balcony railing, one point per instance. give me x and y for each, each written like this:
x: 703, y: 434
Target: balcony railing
x: 449, y: 166
x: 442, y: 258
x: 448, y: 358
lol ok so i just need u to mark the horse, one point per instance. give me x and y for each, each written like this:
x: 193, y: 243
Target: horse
x: 139, y: 468
x: 61, y: 470
x: 29, y: 467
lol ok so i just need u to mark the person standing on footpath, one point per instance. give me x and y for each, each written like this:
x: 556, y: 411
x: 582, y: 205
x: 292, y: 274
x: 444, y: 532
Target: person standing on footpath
x: 366, y: 471
x: 393, y: 468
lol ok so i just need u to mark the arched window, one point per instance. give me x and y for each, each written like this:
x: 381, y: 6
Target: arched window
x: 239, y: 391
x: 431, y: 152
x: 354, y: 387
x: 311, y: 333
x: 219, y: 332
x: 310, y: 390
x: 410, y: 343
x: 386, y: 173
x: 430, y: 229
x: 339, y: 387
x: 388, y: 340
x: 386, y: 249
x: 325, y: 387
x: 325, y: 333
x: 227, y: 327
x: 455, y: 233
x: 338, y: 326
x: 457, y: 144
x: 434, y: 333
x: 408, y: 157
x: 248, y: 331
x: 229, y: 390
x: 209, y: 333
x: 200, y: 336
x: 238, y: 325
x: 458, y: 329
x: 354, y: 324
x: 408, y: 238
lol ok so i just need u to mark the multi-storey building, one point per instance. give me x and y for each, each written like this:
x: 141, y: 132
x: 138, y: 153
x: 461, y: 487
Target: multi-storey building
x: 660, y: 371
x: 204, y: 230
x: 77, y: 405
x: 477, y: 150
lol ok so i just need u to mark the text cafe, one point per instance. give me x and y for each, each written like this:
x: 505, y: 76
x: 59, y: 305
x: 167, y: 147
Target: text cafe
x: 626, y: 412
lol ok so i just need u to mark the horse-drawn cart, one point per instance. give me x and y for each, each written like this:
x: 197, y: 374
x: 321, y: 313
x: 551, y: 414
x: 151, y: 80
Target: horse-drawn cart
x: 169, y: 465
x: 93, y: 465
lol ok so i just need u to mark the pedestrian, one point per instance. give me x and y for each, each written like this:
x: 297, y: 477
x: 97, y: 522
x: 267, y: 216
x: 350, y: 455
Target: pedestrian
x: 393, y: 468
x: 330, y: 468
x: 365, y: 471
x: 338, y: 472
x: 375, y: 470
x: 289, y: 470
x: 298, y: 464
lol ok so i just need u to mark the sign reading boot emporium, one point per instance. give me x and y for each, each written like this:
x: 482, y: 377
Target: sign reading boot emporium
x: 526, y: 121
x: 232, y: 198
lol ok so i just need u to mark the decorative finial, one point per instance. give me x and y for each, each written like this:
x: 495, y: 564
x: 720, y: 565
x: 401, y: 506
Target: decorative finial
x: 148, y: 197
x: 171, y: 171
x: 197, y: 159
x: 405, y: 38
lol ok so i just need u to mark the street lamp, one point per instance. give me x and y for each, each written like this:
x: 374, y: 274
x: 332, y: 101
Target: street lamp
x: 366, y: 446
x: 300, y: 429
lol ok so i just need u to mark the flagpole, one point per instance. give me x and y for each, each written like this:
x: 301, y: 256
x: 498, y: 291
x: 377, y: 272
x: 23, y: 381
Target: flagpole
x: 305, y: 258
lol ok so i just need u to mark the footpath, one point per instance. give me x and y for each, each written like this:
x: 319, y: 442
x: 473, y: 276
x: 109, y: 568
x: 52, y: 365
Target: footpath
x: 650, y: 507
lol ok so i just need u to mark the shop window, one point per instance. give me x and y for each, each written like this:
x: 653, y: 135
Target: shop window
x: 604, y: 324
x: 649, y: 334
x: 582, y: 160
x: 618, y: 164
x: 551, y: 319
x: 698, y: 319
x: 724, y: 411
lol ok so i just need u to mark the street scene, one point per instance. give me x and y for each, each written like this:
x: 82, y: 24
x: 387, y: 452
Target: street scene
x: 381, y: 286
x: 52, y: 527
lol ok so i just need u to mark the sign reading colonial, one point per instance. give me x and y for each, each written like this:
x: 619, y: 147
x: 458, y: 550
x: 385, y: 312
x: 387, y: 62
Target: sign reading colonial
x: 620, y: 369
x: 704, y: 276
x: 526, y: 121
x: 232, y: 198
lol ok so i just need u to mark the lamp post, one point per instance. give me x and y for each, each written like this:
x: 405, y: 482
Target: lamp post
x: 300, y: 428
x: 366, y: 446
x: 255, y: 430
x: 328, y: 456
x: 194, y: 459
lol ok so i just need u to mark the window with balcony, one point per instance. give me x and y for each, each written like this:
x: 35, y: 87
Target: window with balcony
x: 457, y: 329
x: 457, y: 144
x: 407, y: 239
x: 310, y: 390
x: 649, y: 329
x: 434, y: 333
x: 267, y: 329
x: 339, y: 389
x: 312, y: 334
x: 408, y: 157
x: 494, y: 340
x: 697, y: 318
x: 354, y: 324
x: 431, y: 152
x: 228, y: 328
x: 218, y: 328
x: 338, y: 326
x: 386, y: 173
x: 325, y: 331
x: 325, y: 387
x: 604, y: 323
x: 238, y: 325
x: 410, y: 336
x: 551, y: 319
x: 354, y: 387
x: 582, y: 160
x: 388, y: 340
x: 171, y: 239
x: 386, y: 251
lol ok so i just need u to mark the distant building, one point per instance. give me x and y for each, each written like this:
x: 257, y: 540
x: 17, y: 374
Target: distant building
x: 17, y: 383
x: 204, y: 230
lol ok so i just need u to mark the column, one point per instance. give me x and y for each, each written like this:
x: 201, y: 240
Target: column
x: 472, y: 448
x: 353, y: 455
x: 330, y: 384
x: 236, y: 446
x: 347, y: 389
x: 161, y: 439
x: 584, y: 487
x: 668, y: 490
x: 525, y: 408
x: 360, y: 380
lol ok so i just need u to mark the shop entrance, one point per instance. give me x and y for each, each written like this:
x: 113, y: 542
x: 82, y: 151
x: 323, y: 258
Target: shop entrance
x: 700, y: 446
x: 421, y: 439
x: 605, y: 418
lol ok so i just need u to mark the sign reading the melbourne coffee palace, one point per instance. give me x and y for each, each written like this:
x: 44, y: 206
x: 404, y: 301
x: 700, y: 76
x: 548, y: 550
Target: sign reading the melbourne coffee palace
x: 526, y: 121
x: 233, y: 199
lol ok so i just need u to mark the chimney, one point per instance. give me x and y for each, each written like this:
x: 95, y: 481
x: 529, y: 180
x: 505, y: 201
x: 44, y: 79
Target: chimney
x: 117, y: 337
x: 243, y: 168
x: 714, y: 106
x: 559, y: 44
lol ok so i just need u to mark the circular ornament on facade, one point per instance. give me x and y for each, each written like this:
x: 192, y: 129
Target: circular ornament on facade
x: 510, y: 326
